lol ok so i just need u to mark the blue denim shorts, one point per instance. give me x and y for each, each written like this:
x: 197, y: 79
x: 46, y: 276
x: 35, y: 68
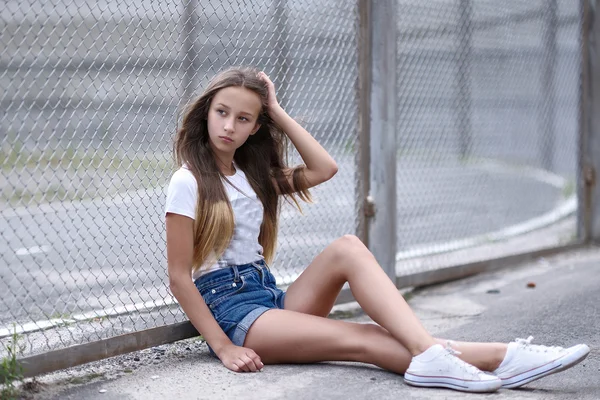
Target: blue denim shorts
x: 238, y: 295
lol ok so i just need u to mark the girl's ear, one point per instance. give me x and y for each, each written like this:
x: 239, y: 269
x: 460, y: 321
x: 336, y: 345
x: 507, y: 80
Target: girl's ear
x: 256, y: 128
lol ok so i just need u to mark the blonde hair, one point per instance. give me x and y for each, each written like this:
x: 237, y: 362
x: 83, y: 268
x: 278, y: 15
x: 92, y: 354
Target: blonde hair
x: 261, y: 158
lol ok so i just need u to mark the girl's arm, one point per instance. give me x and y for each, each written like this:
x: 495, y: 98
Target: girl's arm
x: 320, y: 167
x: 179, y: 258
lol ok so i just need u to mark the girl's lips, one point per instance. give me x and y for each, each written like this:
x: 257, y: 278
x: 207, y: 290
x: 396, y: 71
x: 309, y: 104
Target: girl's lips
x: 226, y: 139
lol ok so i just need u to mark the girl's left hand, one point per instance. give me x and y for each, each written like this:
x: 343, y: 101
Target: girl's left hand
x: 272, y: 97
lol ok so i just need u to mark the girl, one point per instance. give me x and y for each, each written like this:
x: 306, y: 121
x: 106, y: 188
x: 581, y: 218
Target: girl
x: 221, y: 222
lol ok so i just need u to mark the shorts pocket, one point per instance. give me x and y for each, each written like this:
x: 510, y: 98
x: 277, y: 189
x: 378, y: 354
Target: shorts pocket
x: 218, y: 292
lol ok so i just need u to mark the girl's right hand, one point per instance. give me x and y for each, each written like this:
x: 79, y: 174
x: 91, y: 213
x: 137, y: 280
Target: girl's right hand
x: 272, y: 102
x: 240, y: 359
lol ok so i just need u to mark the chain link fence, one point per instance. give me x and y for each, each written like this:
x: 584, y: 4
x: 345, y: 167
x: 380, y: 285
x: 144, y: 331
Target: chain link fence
x: 488, y: 102
x: 92, y: 91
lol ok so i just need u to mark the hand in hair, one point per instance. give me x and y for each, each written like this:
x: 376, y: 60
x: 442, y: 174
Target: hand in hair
x: 272, y: 103
x: 240, y: 359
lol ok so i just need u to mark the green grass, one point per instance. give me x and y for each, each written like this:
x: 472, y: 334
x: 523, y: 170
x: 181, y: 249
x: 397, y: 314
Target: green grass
x: 75, y: 159
x: 42, y: 195
x: 79, y: 380
x: 199, y: 338
x: 58, y: 315
x: 11, y: 371
x: 408, y: 296
x: 569, y: 189
x: 345, y: 314
x: 120, y: 171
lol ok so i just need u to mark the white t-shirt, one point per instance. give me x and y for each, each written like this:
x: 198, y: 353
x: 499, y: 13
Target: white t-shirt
x: 182, y: 198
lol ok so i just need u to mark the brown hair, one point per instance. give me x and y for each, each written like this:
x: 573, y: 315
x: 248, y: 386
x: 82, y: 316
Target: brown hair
x: 261, y: 158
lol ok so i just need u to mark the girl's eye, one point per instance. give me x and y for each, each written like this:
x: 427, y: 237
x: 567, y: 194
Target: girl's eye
x: 243, y: 119
x: 221, y: 112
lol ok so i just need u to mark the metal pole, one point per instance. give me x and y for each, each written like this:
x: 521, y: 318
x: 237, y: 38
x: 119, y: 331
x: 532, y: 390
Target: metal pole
x: 281, y: 74
x: 363, y: 154
x: 465, y: 25
x: 190, y: 52
x: 547, y: 112
x: 588, y: 221
x: 383, y: 136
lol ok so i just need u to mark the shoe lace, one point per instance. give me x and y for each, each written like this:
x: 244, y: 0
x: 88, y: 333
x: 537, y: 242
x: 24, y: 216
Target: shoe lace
x: 526, y: 343
x: 453, y: 353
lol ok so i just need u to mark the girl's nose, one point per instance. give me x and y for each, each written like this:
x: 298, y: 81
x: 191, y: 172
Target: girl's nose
x: 228, y: 125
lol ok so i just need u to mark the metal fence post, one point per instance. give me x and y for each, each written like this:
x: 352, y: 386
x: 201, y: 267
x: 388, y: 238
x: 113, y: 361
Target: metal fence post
x: 190, y: 52
x: 465, y: 25
x: 281, y: 74
x: 589, y: 151
x: 363, y: 154
x: 548, y: 107
x: 383, y: 136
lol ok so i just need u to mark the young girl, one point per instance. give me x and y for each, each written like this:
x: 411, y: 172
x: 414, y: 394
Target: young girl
x: 221, y: 221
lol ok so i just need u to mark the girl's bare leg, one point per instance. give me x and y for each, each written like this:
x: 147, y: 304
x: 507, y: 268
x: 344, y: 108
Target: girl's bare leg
x: 348, y: 260
x: 283, y: 336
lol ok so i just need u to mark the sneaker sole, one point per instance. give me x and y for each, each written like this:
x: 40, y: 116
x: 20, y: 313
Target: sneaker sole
x: 561, y: 364
x: 453, y: 383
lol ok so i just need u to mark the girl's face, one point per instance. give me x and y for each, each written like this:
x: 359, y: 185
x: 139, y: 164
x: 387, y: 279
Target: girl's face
x: 232, y: 118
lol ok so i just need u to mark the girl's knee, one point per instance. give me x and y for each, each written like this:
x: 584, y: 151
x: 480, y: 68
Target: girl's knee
x: 346, y: 253
x: 348, y: 243
x: 351, y: 240
x: 349, y: 247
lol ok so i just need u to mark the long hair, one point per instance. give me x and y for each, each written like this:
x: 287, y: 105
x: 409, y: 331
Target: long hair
x: 261, y: 158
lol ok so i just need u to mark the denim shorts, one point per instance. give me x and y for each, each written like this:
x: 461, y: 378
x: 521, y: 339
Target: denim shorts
x: 238, y: 295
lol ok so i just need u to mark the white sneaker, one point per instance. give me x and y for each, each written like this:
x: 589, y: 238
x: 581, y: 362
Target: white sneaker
x: 525, y: 362
x: 439, y: 367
